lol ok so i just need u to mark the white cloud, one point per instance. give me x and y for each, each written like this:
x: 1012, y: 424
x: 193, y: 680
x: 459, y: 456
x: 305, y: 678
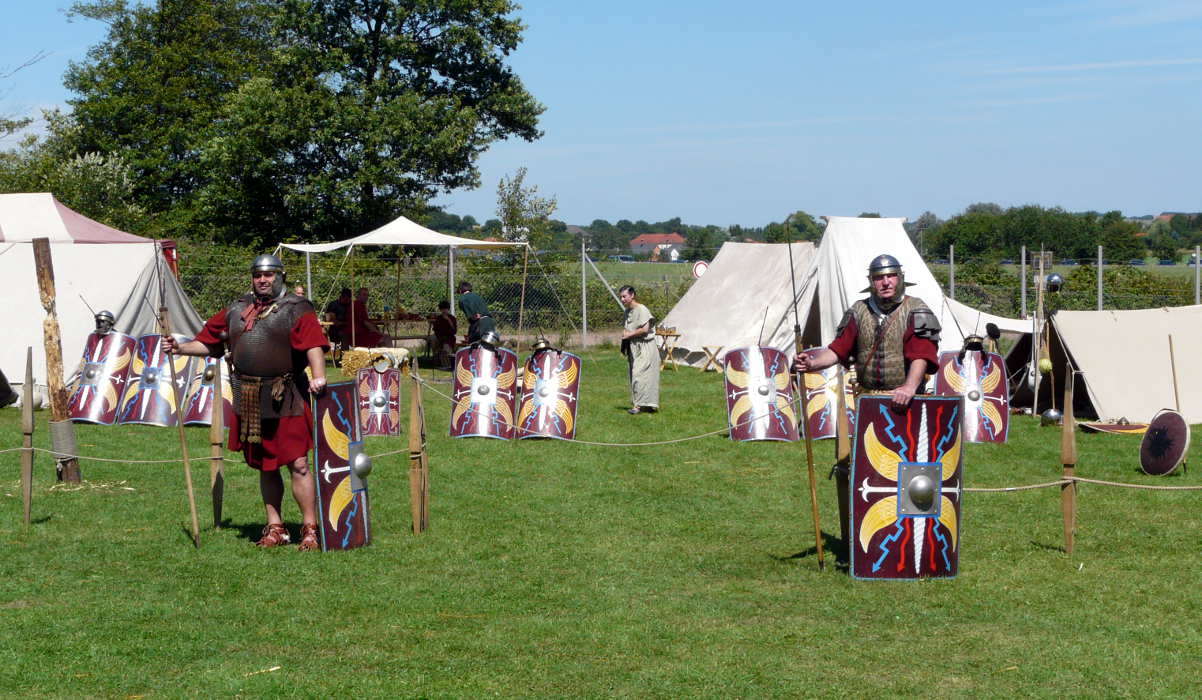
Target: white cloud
x: 1098, y: 66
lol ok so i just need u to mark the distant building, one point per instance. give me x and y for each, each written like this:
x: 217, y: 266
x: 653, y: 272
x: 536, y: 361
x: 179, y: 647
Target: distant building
x: 669, y: 245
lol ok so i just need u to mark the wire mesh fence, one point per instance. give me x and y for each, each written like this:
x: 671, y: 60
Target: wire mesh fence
x: 552, y: 300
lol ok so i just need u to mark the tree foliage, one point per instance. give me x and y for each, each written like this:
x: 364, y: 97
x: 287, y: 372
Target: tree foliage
x: 524, y: 216
x: 257, y: 120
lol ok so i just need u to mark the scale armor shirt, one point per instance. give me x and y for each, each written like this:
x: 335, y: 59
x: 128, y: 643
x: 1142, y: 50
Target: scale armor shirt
x: 882, y: 345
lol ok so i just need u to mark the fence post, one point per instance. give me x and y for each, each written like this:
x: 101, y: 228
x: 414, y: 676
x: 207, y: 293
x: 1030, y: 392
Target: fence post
x: 1197, y: 272
x: 951, y: 274
x: 1068, y: 460
x: 1022, y: 263
x: 451, y: 276
x: 583, y: 296
x: 1099, y: 278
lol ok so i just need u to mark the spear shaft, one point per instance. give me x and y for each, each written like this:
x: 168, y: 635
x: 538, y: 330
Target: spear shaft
x: 802, y: 419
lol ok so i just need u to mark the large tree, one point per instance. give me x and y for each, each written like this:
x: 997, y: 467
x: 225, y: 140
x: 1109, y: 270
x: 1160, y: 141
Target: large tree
x: 260, y: 120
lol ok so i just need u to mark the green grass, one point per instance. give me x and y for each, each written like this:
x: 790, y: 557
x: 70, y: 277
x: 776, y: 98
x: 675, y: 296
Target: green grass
x: 563, y: 570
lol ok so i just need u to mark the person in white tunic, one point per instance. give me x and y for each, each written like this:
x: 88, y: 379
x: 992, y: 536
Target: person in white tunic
x: 638, y: 344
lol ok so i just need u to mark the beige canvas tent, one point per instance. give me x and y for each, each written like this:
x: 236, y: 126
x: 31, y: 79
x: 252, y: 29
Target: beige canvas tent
x: 1124, y: 363
x: 744, y: 298
x: 94, y: 265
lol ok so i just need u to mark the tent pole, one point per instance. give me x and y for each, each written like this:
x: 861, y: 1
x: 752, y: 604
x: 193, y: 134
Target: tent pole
x: 583, y: 297
x: 308, y: 275
x: 451, y: 275
x: 1022, y: 264
x: 522, y: 300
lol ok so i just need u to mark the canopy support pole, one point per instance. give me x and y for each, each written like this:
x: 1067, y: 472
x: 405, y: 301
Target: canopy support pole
x: 583, y: 296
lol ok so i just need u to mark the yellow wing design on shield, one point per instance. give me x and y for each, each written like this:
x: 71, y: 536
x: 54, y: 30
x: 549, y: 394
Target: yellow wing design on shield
x: 990, y: 381
x: 882, y: 514
x: 567, y: 377
x: 505, y: 379
x: 815, y: 380
x: 341, y: 498
x: 565, y: 415
x: 883, y: 459
x: 991, y: 413
x: 736, y: 377
x: 742, y: 405
x: 783, y: 405
x: 526, y: 410
x: 950, y: 459
x: 335, y: 438
x: 947, y: 516
x: 503, y: 410
x: 122, y: 361
x: 110, y: 396
x: 528, y: 378
x: 462, y: 376
x: 953, y: 378
x: 817, y: 404
x: 782, y: 380
x: 460, y: 408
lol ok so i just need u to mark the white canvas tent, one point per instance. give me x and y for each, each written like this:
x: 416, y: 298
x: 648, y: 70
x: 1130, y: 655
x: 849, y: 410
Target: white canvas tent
x: 399, y: 232
x: 748, y: 284
x: 744, y: 298
x: 838, y: 276
x: 1123, y: 356
x: 93, y: 263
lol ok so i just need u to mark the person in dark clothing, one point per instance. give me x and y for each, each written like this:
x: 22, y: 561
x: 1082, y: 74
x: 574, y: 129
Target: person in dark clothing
x: 444, y: 327
x: 337, y: 313
x: 476, y: 310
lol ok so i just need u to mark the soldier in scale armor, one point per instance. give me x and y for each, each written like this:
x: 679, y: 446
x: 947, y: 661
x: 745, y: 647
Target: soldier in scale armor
x: 272, y: 336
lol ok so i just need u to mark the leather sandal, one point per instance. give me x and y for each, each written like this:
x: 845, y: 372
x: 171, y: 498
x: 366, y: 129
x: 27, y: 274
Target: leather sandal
x: 308, y: 539
x: 274, y: 535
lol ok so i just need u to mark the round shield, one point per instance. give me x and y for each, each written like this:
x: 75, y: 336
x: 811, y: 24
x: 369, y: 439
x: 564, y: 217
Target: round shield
x: 1165, y: 445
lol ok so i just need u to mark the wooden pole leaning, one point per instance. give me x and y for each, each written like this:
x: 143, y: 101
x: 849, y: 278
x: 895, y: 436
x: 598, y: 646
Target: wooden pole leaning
x: 27, y: 434
x: 843, y: 462
x: 419, y: 468
x: 522, y: 300
x: 1173, y: 365
x: 809, y: 441
x: 165, y: 322
x: 1068, y: 458
x: 59, y: 398
x: 217, y: 446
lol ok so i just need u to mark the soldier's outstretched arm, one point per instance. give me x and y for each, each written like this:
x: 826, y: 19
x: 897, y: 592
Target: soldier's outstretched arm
x: 814, y: 359
x: 192, y: 347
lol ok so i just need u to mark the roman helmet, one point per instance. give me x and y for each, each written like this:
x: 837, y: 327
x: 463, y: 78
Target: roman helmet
x: 885, y: 264
x: 105, y: 322
x: 267, y: 262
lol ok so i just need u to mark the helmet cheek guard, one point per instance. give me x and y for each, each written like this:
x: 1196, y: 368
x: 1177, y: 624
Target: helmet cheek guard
x: 270, y: 263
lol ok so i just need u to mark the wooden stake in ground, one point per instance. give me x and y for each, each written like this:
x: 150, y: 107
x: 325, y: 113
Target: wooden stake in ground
x: 165, y: 323
x: 1068, y: 458
x: 27, y: 432
x: 419, y: 468
x: 216, y: 446
x: 59, y: 412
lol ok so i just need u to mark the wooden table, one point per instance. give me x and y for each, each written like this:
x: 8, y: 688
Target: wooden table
x: 711, y: 352
x: 667, y: 345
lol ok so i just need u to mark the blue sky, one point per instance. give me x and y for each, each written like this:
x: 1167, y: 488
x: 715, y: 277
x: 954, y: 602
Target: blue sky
x: 739, y: 113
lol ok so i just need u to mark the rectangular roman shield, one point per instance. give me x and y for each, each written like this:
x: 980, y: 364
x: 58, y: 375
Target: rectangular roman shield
x: 759, y: 395
x: 980, y: 377
x: 102, y: 378
x: 822, y: 400
x: 379, y: 401
x: 905, y: 488
x: 198, y: 405
x: 550, y: 394
x: 484, y: 393
x: 338, y: 465
x: 149, y: 398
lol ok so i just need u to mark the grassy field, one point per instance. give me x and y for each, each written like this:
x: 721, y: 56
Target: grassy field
x: 565, y: 570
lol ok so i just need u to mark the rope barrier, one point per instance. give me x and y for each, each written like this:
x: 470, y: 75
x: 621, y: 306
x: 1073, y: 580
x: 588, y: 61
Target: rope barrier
x: 1147, y: 487
x: 1012, y: 489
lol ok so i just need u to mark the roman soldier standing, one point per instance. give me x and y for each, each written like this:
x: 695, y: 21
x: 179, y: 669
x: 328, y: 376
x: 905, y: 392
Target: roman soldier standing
x: 272, y: 336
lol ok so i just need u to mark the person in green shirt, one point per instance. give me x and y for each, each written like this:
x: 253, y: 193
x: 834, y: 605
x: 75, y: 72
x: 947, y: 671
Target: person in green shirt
x: 638, y: 344
x: 476, y: 310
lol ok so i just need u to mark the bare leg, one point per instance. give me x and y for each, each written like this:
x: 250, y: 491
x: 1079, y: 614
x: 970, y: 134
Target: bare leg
x: 304, y: 490
x: 271, y: 485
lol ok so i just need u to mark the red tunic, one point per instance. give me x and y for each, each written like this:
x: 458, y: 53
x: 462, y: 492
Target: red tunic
x: 913, y: 346
x: 286, y: 438
x: 361, y: 335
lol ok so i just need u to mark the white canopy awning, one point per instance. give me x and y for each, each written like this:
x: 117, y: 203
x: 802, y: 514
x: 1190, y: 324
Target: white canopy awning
x: 400, y: 231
